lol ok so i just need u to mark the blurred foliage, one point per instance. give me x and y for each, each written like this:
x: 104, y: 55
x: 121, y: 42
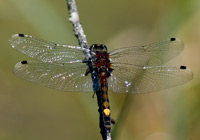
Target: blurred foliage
x: 29, y: 111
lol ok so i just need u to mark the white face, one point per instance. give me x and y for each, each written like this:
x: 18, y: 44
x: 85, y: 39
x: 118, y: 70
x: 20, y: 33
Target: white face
x: 98, y: 48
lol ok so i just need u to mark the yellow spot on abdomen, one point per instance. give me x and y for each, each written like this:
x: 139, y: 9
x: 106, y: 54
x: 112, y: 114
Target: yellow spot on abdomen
x: 106, y: 104
x: 106, y: 112
x: 104, y: 89
x: 105, y: 96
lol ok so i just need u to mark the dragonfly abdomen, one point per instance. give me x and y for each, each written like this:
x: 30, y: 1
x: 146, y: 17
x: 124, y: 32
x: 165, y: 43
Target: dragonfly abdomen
x: 103, y: 65
x: 105, y: 106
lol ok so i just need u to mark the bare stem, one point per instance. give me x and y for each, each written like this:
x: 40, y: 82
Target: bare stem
x: 78, y: 30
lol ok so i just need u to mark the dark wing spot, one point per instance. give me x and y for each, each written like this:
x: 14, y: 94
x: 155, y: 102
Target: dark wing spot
x: 172, y: 39
x: 21, y: 35
x: 183, y: 67
x: 24, y: 62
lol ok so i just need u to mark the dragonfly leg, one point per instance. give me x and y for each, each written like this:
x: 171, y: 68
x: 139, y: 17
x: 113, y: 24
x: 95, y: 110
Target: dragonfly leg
x: 112, y: 121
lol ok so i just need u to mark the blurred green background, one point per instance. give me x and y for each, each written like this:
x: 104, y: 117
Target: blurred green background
x: 32, y: 112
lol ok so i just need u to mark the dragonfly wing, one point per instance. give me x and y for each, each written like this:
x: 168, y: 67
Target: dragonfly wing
x: 138, y: 79
x: 64, y: 77
x: 148, y: 55
x: 46, y: 51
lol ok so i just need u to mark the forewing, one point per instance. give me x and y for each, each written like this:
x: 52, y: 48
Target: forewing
x: 148, y: 55
x: 46, y: 51
x: 132, y: 79
x: 64, y: 77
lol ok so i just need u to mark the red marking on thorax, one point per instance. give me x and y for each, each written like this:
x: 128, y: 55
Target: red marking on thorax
x: 102, y: 60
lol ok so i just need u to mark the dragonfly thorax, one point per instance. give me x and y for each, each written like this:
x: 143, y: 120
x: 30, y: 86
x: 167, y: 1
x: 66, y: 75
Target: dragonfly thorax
x: 101, y: 61
x: 101, y: 56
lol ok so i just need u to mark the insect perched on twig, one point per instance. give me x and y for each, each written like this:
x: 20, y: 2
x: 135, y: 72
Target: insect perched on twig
x: 135, y: 70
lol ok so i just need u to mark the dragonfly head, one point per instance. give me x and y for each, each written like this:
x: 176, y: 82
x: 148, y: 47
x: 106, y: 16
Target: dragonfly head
x: 98, y: 48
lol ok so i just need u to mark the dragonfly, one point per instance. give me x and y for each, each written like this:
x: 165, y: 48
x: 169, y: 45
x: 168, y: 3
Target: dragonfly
x: 134, y: 70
